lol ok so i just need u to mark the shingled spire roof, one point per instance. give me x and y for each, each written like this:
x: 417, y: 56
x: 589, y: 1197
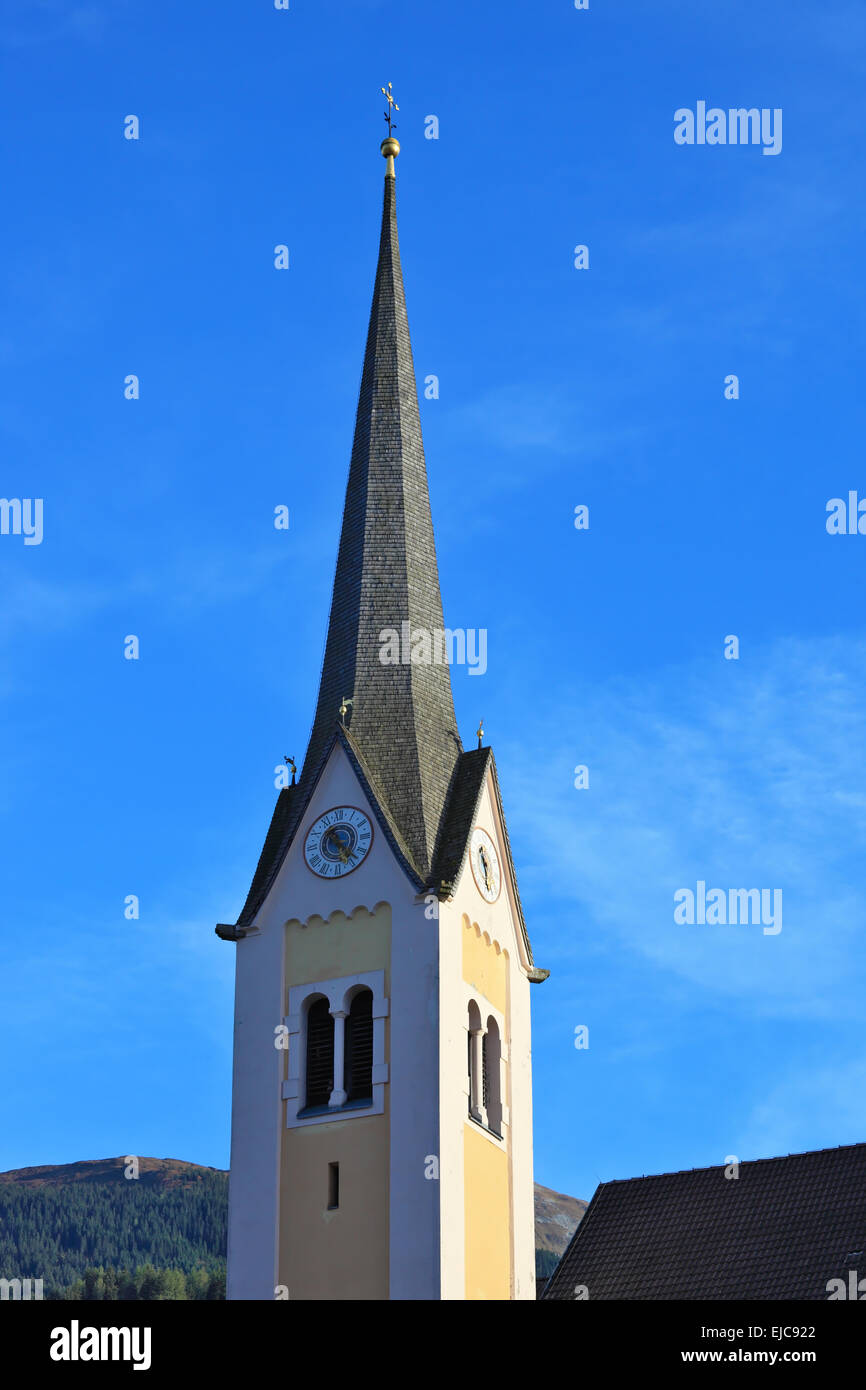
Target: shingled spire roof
x: 402, y: 716
x: 400, y: 730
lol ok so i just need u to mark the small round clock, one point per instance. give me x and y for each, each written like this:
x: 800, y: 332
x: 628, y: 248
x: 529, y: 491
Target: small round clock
x: 338, y: 842
x: 485, y: 865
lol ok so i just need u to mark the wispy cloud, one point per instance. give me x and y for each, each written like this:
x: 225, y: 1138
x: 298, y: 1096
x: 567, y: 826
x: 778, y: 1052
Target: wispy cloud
x: 199, y: 579
x: 548, y: 422
x: 756, y: 241
x: 743, y: 776
x: 829, y: 1099
x: 26, y: 23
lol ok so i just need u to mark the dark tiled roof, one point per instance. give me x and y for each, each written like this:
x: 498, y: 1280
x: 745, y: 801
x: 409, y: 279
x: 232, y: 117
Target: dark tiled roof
x: 282, y: 817
x: 460, y: 814
x: 402, y: 724
x: 780, y: 1230
x: 535, y: 975
x: 466, y: 787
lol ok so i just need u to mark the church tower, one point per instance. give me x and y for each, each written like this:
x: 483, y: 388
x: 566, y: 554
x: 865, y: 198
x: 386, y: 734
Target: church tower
x: 382, y: 1094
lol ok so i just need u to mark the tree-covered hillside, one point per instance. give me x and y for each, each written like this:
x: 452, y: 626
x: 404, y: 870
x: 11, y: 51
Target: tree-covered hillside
x: 56, y: 1224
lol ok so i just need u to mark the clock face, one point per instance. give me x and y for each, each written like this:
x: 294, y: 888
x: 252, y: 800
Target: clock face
x: 338, y: 842
x: 485, y: 865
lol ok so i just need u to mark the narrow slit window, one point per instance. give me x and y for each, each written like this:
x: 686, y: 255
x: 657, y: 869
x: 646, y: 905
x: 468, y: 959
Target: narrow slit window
x: 333, y: 1186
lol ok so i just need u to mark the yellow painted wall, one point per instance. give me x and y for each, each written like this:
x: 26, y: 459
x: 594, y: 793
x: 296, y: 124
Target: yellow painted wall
x: 341, y: 946
x: 335, y: 1254
x: 484, y: 967
x: 339, y: 1254
x: 488, y: 1217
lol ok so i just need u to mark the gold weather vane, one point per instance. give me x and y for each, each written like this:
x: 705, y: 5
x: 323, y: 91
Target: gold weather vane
x: 480, y: 731
x: 290, y: 762
x: 392, y: 107
x: 344, y: 708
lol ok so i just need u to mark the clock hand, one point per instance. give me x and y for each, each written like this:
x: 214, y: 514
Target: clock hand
x: 485, y: 867
x: 338, y: 846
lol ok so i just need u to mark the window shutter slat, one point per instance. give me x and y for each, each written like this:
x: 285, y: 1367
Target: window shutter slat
x: 359, y: 1048
x: 469, y: 1069
x: 320, y: 1054
x: 484, y: 1080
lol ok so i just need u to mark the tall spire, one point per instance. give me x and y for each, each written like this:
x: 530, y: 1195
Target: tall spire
x: 395, y: 721
x: 401, y: 720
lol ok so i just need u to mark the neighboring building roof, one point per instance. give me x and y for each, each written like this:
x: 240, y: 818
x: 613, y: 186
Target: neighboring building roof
x: 781, y: 1230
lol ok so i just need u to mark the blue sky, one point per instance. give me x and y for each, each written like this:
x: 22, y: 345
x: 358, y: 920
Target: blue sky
x: 557, y: 387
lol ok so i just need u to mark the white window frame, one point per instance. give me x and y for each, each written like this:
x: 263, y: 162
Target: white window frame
x: 339, y: 993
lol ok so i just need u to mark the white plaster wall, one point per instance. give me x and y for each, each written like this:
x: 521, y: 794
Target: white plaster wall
x: 453, y: 1091
x: 257, y: 1111
x: 256, y: 1118
x: 522, y: 1173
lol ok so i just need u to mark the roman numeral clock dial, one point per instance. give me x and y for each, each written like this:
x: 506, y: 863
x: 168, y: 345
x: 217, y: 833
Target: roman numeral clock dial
x: 338, y: 842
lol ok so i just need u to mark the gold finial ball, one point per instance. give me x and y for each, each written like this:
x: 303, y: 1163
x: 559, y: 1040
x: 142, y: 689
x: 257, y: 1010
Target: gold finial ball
x: 390, y: 147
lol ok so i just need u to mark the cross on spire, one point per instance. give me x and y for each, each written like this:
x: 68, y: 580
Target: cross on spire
x: 392, y: 107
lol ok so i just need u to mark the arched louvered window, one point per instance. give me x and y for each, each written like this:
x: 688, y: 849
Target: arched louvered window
x: 476, y: 1066
x: 469, y: 1069
x: 320, y: 1054
x: 485, y: 1074
x: 492, y: 1077
x: 359, y: 1047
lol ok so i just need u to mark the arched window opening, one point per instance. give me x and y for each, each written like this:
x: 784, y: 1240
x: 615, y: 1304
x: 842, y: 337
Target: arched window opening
x: 359, y: 1047
x: 337, y: 1062
x: 476, y: 1064
x: 492, y: 1077
x: 469, y: 1069
x: 320, y: 1054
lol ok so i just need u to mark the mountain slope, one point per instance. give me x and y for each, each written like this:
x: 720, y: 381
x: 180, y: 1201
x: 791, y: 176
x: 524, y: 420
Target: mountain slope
x: 556, y: 1219
x: 153, y: 1172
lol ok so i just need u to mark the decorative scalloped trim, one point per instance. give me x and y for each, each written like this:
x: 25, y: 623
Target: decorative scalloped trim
x: 317, y: 919
x: 489, y: 941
